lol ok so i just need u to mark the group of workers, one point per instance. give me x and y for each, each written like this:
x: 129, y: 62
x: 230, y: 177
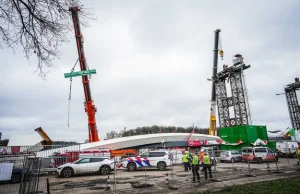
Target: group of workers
x: 192, y: 162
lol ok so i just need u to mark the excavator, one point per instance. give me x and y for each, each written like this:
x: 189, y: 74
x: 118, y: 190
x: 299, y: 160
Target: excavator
x: 212, y: 126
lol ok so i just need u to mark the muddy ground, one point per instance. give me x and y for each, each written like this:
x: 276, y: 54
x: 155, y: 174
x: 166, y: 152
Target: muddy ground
x: 227, y: 174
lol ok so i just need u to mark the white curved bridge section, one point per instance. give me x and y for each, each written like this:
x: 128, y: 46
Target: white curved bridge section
x: 125, y: 142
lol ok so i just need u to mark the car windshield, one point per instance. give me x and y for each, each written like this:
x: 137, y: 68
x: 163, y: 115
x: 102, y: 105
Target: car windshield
x: 224, y: 153
x: 144, y: 155
x: 247, y: 150
x: 77, y: 161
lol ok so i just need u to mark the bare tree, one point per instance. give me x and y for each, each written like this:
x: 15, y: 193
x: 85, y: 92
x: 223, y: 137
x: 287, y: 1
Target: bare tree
x: 39, y: 26
x: 112, y: 135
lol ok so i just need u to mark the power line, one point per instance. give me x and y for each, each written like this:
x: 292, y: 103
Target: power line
x: 270, y: 107
x: 205, y: 93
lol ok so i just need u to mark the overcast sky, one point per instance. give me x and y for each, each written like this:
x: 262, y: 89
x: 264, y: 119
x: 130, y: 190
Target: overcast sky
x: 153, y: 59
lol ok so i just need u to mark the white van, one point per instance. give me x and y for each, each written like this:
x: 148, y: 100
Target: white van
x: 177, y: 156
x: 287, y: 148
x: 258, y: 154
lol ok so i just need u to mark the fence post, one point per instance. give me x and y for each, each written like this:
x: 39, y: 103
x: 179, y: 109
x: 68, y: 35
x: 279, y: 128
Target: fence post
x: 276, y: 165
x: 21, y: 190
x: 38, y: 174
x: 172, y: 170
x: 268, y: 167
x: 287, y: 159
x: 115, y: 185
x: 214, y: 160
x: 48, y: 186
x: 145, y: 174
x: 249, y: 175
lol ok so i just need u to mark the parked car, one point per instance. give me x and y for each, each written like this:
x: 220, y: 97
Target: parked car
x: 100, y: 165
x: 259, y: 154
x: 230, y: 156
x: 152, y: 159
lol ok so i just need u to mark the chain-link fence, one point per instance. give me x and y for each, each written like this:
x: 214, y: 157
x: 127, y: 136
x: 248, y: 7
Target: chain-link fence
x: 57, y: 169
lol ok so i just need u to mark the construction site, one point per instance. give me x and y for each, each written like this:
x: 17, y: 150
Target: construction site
x: 240, y: 152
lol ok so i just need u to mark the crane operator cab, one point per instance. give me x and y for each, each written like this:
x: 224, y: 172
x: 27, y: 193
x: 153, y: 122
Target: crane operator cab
x: 238, y: 59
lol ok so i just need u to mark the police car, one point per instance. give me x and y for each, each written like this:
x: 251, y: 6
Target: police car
x: 153, y: 159
x: 258, y: 154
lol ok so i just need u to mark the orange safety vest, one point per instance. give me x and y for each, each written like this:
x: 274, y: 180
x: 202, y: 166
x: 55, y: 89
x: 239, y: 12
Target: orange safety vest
x: 201, y: 156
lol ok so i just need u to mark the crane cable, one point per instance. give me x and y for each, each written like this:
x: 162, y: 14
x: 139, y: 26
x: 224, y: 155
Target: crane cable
x: 70, y: 93
x: 278, y: 117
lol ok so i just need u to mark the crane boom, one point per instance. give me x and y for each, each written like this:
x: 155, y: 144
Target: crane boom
x: 212, y: 125
x: 90, y: 108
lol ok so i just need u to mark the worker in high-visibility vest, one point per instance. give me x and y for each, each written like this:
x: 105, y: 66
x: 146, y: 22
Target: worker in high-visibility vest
x: 201, y: 157
x: 185, y: 161
x: 298, y: 155
x: 187, y: 152
x: 195, y: 167
x: 207, y: 165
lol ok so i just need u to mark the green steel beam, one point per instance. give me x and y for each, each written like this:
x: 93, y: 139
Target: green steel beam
x: 80, y: 73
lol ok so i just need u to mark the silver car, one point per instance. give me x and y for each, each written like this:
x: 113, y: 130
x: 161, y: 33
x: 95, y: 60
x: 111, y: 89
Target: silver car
x: 230, y: 156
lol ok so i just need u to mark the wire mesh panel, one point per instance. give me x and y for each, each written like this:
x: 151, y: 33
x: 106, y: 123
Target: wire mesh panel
x: 30, y: 175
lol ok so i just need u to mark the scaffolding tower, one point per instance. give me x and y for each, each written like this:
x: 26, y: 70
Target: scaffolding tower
x: 292, y: 103
x: 238, y: 100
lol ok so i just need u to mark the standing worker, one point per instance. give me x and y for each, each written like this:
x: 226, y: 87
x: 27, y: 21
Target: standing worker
x: 207, y: 165
x: 185, y: 161
x: 201, y: 157
x: 195, y: 167
x: 187, y: 152
x: 298, y: 155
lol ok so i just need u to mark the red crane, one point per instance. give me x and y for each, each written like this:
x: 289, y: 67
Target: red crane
x: 90, y: 108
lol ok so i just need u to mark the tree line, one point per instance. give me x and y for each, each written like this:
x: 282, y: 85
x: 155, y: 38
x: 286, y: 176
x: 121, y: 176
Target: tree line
x: 152, y: 130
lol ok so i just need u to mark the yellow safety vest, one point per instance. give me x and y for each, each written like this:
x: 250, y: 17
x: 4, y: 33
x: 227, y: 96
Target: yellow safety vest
x: 195, y: 160
x: 298, y: 152
x: 185, y: 158
x: 187, y: 153
x: 206, y: 159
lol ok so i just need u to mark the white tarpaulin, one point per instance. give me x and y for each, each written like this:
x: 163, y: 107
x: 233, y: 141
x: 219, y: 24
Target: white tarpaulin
x: 6, y: 171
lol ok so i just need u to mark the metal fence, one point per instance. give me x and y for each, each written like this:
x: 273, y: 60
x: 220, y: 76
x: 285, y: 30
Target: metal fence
x: 44, y: 170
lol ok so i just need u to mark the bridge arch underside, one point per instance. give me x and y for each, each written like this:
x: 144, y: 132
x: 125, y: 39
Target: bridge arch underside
x: 165, y: 145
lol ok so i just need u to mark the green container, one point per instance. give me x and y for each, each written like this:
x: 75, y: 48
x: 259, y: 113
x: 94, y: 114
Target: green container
x: 272, y: 145
x: 247, y: 133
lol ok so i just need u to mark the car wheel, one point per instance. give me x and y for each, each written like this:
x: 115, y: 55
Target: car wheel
x: 67, y: 172
x: 131, y: 166
x: 161, y: 166
x: 104, y: 170
x: 232, y: 160
x: 16, y: 178
x: 259, y: 160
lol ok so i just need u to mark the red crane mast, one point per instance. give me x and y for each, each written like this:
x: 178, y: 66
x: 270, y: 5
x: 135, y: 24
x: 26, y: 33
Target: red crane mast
x: 90, y: 108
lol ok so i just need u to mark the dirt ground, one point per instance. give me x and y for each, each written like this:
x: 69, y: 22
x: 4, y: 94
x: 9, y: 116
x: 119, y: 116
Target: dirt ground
x: 164, y: 181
